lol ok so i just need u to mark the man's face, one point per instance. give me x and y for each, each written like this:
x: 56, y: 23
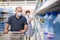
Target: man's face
x: 18, y: 10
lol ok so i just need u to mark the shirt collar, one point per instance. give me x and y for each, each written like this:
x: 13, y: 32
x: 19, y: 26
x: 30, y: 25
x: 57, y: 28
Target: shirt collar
x: 19, y: 17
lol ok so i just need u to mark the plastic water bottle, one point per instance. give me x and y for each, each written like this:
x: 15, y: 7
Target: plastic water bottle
x: 50, y: 28
x: 46, y: 24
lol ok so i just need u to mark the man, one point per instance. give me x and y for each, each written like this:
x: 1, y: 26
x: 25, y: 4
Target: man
x: 17, y: 22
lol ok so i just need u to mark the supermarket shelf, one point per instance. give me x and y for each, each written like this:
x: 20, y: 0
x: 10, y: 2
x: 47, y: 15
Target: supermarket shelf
x: 4, y: 12
x: 3, y: 22
x: 2, y: 17
x: 48, y: 6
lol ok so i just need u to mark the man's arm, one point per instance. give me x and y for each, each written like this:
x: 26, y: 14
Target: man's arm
x: 25, y: 29
x: 25, y: 26
x: 6, y: 29
x: 7, y: 25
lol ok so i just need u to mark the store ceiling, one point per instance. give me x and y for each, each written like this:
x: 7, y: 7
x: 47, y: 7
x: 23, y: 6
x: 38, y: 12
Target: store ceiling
x: 17, y: 0
x: 21, y: 3
x: 25, y: 4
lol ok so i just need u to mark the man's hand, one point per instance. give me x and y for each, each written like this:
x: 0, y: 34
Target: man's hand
x: 6, y: 29
x: 22, y: 31
x: 5, y: 32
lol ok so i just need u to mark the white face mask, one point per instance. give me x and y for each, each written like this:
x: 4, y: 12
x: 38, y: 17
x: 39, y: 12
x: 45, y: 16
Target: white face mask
x: 19, y: 13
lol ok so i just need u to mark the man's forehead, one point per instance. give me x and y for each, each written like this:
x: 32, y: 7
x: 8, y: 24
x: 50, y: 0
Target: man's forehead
x: 18, y: 8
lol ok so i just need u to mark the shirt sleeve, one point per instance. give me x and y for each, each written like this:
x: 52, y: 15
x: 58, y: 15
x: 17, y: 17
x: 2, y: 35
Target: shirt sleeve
x: 25, y: 21
x: 9, y: 21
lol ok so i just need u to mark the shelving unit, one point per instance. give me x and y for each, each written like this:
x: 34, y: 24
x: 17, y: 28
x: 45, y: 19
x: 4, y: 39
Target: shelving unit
x: 3, y: 19
x: 39, y: 3
x: 48, y: 6
x: 44, y: 7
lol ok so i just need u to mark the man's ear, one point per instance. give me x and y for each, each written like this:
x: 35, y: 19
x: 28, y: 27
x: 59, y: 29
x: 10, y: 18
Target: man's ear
x: 15, y: 11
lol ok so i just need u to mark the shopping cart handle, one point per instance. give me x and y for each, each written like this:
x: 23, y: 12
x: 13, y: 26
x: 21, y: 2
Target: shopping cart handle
x: 14, y: 32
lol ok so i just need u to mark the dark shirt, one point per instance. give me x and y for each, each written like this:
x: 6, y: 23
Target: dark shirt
x: 17, y: 24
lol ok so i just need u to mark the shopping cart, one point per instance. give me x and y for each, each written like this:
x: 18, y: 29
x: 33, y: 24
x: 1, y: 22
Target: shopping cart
x: 12, y: 36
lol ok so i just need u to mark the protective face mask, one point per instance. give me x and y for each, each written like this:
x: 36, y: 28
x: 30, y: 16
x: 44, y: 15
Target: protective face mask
x: 19, y: 13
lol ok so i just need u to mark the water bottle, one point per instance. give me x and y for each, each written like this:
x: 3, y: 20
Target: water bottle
x: 46, y: 24
x: 50, y: 27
